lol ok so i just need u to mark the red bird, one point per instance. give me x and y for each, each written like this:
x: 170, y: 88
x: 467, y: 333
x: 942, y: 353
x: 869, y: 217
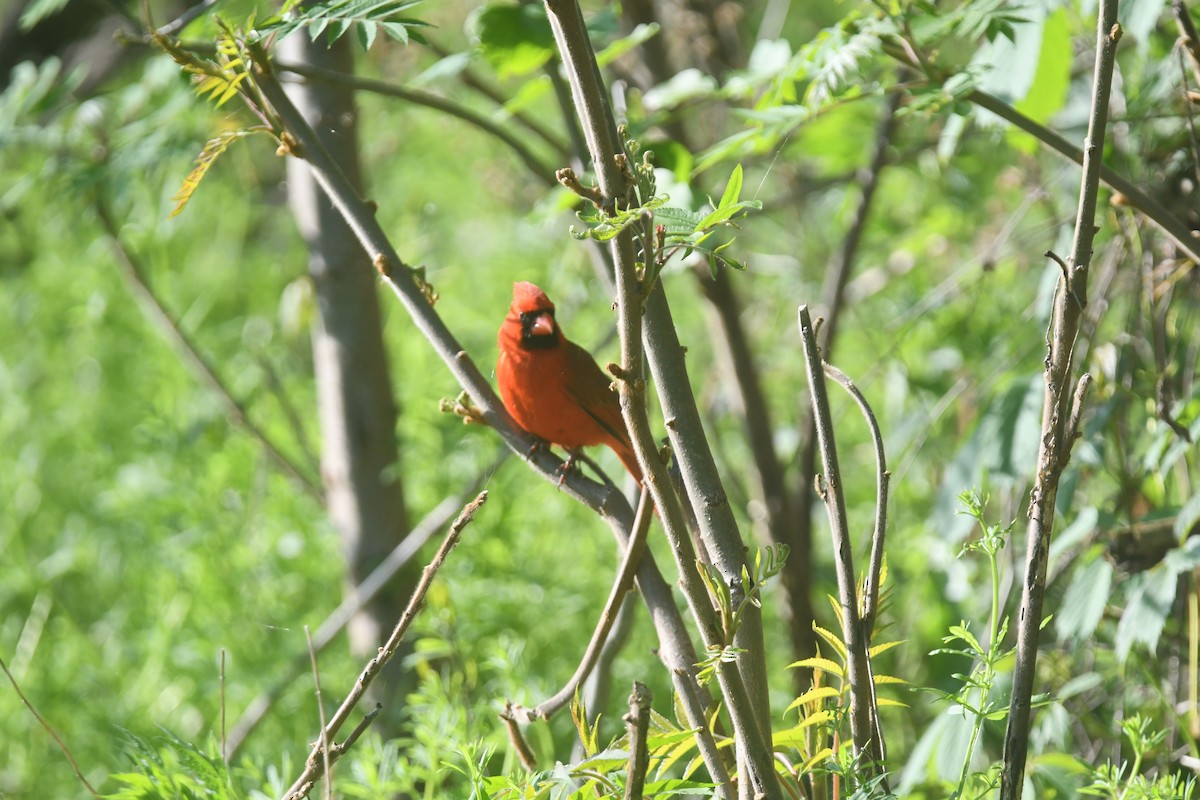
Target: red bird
x: 552, y: 387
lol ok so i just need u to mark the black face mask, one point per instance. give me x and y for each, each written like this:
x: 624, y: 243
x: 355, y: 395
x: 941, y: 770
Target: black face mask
x: 537, y: 341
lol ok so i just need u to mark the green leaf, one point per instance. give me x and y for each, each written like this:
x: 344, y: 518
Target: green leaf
x: 39, y: 10
x: 515, y: 39
x: 336, y: 17
x: 1187, y: 518
x: 1146, y: 611
x: 1083, y: 604
x: 366, y: 34
x: 733, y: 188
x: 620, y: 47
x: 1051, y: 82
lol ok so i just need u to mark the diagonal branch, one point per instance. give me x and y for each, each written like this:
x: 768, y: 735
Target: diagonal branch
x: 364, y: 593
x: 429, y: 100
x: 621, y: 587
x: 157, y: 311
x: 321, y: 757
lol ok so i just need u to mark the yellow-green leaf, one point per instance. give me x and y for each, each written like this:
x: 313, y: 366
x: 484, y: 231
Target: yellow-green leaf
x: 823, y: 664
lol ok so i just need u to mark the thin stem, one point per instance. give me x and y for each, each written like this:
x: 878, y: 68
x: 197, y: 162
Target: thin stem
x: 534, y: 126
x: 1056, y: 437
x: 429, y: 100
x: 1155, y: 211
x: 882, y: 476
x: 156, y: 310
x: 66, y: 751
x: 517, y: 739
x: 857, y: 670
x: 316, y: 673
x: 354, y: 601
x: 621, y: 586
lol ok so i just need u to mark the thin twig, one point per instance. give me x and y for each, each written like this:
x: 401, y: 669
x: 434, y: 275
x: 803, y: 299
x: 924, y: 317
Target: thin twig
x: 857, y: 670
x: 66, y: 751
x: 429, y: 100
x: 290, y: 412
x: 321, y: 756
x: 154, y: 308
x: 870, y: 606
x: 354, y: 601
x: 224, y: 747
x: 621, y: 587
x: 176, y: 25
x: 871, y: 587
x: 1187, y: 35
x: 316, y: 674
x: 637, y: 722
x: 833, y: 297
x: 1154, y: 211
x: 472, y: 81
x: 517, y: 739
x: 1056, y: 437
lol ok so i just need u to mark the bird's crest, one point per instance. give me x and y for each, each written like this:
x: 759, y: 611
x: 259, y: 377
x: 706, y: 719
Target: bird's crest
x: 528, y: 297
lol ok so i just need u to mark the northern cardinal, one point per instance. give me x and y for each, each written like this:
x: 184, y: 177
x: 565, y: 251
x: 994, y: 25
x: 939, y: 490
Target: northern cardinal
x: 552, y: 387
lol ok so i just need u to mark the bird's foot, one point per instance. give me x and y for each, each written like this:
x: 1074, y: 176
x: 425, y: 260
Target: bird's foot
x: 565, y: 468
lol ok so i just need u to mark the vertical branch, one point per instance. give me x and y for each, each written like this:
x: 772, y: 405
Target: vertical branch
x: 833, y: 293
x: 744, y: 682
x: 857, y: 669
x: 638, y: 722
x: 1057, y: 418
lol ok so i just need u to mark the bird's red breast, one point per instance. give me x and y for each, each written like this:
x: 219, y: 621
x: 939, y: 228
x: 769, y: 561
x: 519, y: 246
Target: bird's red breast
x: 551, y: 386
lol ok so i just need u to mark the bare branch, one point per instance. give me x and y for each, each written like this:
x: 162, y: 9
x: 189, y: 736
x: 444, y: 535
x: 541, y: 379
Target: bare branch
x: 871, y: 589
x: 857, y: 669
x: 321, y: 756
x: 1154, y: 211
x: 1057, y: 433
x: 316, y: 673
x: 428, y: 100
x: 534, y: 126
x: 66, y: 751
x: 637, y: 721
x: 362, y: 594
x: 517, y: 739
x: 624, y: 582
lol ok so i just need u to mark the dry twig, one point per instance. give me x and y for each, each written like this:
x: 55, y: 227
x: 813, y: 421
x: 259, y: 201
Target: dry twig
x: 322, y: 757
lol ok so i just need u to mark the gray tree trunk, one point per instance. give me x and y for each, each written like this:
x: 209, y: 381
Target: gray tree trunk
x: 356, y: 408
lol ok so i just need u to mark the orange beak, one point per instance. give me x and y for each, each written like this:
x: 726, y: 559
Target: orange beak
x: 543, y: 325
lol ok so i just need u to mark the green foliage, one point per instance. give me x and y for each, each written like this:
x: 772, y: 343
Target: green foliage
x: 1127, y: 782
x: 176, y: 770
x: 335, y: 18
x: 976, y: 699
x: 142, y: 533
x: 515, y: 39
x: 665, y: 232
